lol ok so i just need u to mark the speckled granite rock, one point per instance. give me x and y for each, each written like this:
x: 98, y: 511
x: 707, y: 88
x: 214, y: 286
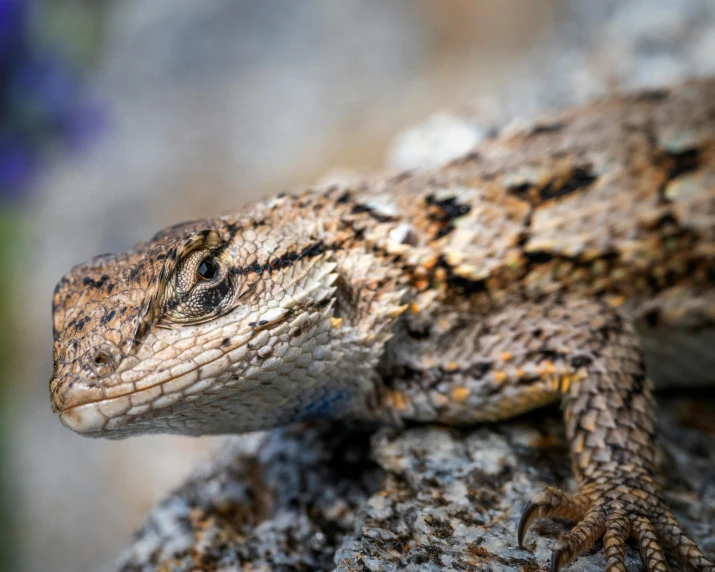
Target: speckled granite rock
x: 424, y: 498
x: 285, y: 506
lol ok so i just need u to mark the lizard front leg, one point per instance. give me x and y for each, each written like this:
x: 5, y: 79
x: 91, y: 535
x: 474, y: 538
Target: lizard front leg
x: 586, y: 354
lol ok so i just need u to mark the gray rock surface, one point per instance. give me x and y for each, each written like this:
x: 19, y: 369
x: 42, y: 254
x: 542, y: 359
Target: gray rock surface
x: 324, y: 497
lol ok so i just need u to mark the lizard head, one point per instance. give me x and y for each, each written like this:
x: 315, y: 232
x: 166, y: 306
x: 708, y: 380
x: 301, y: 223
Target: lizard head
x: 210, y: 327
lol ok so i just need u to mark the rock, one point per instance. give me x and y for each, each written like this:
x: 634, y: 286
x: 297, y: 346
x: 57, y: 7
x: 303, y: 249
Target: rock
x: 331, y: 496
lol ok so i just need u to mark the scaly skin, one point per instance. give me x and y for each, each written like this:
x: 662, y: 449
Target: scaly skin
x: 534, y: 269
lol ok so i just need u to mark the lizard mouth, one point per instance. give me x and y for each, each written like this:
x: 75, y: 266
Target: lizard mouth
x: 94, y: 418
x: 104, y: 409
x: 84, y: 419
x: 99, y: 415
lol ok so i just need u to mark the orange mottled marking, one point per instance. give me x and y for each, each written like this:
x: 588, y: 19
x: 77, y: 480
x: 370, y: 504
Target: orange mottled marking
x: 460, y: 393
x: 397, y: 399
x: 547, y: 368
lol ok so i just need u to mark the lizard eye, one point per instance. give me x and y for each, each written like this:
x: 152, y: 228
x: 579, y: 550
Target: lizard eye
x: 207, y: 269
x: 201, y: 288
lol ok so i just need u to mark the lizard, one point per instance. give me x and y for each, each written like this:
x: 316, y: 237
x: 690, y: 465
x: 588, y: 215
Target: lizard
x: 569, y: 259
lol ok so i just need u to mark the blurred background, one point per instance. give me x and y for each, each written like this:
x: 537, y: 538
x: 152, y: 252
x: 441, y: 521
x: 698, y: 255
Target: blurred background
x: 118, y: 118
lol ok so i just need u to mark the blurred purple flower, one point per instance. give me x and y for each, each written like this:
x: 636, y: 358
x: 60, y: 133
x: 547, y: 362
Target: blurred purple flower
x: 42, y: 101
x: 13, y: 26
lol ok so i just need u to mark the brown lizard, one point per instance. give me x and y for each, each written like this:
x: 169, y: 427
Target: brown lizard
x: 561, y: 262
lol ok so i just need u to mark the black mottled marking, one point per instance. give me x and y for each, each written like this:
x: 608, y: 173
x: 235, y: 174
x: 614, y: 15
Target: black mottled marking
x: 580, y: 178
x: 578, y: 362
x: 358, y: 233
x: 604, y: 334
x: 637, y: 388
x: 535, y: 257
x: 528, y: 380
x: 480, y: 369
x: 357, y: 209
x: 252, y: 324
x: 232, y: 229
x: 255, y: 268
x: 652, y: 95
x: 445, y: 212
x: 344, y: 198
x: 379, y: 217
x: 666, y: 220
x: 550, y: 355
x: 463, y: 286
x: 408, y: 373
x: 450, y: 209
x: 88, y: 281
x: 284, y: 261
x: 444, y: 231
x: 683, y: 162
x: 652, y: 318
x: 522, y: 190
x: 419, y: 332
x: 80, y: 324
x: 544, y: 128
x: 225, y: 342
x: 315, y: 249
x: 262, y: 322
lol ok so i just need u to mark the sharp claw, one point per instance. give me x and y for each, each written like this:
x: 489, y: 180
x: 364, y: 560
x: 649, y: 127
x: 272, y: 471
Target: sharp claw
x: 525, y: 522
x: 555, y: 561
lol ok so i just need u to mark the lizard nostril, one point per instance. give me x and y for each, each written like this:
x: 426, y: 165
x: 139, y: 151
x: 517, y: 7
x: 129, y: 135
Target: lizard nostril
x: 104, y: 360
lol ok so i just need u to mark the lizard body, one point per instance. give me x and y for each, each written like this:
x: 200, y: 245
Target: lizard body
x: 536, y: 268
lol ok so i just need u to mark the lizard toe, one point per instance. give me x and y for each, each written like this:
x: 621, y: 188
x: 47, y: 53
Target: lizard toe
x: 579, y: 539
x: 550, y: 503
x: 618, y: 529
x: 614, y: 512
x: 669, y: 532
x: 648, y: 545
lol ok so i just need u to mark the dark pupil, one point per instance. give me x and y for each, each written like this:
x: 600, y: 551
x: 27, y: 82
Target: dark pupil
x: 207, y: 269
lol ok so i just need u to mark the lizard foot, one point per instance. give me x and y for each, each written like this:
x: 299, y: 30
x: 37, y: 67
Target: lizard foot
x: 615, y: 511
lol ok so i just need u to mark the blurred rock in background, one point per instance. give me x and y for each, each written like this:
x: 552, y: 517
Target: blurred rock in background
x: 186, y: 109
